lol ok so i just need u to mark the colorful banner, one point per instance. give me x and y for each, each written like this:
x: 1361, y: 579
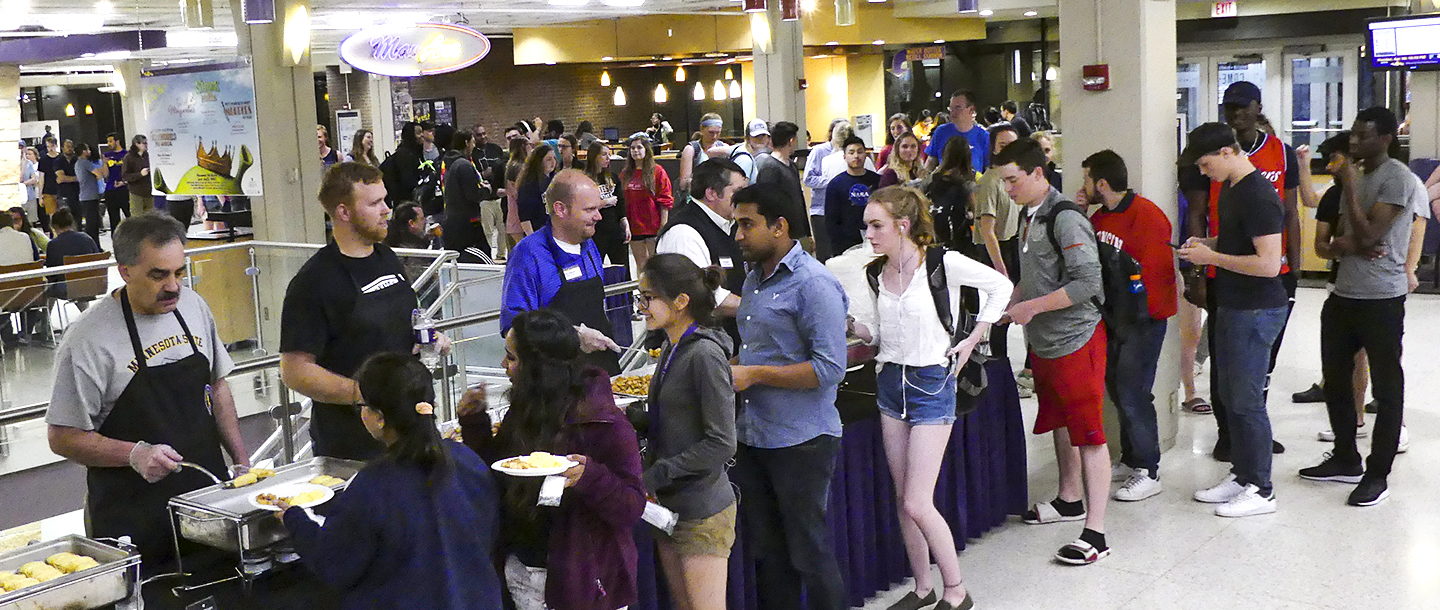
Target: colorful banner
x: 204, y: 133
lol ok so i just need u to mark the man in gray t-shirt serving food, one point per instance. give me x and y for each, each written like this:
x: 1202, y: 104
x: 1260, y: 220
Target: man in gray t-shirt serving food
x: 1367, y: 308
x: 139, y: 387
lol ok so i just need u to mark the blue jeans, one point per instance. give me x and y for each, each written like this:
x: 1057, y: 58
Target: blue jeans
x: 1243, y: 338
x: 1130, y: 379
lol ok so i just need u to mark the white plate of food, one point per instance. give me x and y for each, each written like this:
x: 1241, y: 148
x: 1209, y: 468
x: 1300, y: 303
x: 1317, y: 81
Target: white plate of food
x: 537, y: 464
x: 303, y: 495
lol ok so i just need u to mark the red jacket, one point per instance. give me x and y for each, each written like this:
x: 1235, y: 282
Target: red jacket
x: 592, y: 556
x: 1137, y: 227
x: 643, y: 207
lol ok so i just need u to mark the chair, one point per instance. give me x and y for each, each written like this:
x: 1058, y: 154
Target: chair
x: 18, y: 296
x: 80, y: 286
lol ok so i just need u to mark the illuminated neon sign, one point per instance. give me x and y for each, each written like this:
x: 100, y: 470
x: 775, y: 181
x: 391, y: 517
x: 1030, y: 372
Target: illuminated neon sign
x: 414, y: 50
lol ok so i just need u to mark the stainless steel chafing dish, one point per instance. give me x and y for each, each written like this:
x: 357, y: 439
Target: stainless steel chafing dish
x: 114, y: 580
x: 224, y: 518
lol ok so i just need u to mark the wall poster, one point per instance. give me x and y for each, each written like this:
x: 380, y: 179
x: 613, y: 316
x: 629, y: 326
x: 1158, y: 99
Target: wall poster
x: 204, y: 131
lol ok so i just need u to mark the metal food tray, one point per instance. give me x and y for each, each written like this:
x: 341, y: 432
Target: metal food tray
x: 115, y: 579
x: 224, y: 518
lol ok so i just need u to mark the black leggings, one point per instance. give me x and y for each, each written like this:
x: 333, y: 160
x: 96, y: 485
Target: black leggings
x: 117, y: 202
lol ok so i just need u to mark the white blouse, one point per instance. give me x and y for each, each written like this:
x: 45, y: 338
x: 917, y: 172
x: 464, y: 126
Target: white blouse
x: 909, y: 330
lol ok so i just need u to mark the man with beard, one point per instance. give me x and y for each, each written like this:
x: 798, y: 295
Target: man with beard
x: 559, y: 267
x: 350, y: 301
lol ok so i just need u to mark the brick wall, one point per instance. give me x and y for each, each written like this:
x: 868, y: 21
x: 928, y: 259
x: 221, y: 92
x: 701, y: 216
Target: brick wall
x: 496, y: 92
x: 359, y: 95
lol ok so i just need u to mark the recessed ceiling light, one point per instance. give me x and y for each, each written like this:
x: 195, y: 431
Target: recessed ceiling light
x: 831, y: 43
x: 1031, y: 13
x: 607, y: 58
x: 878, y: 42
x: 939, y: 42
x: 986, y: 13
x: 549, y: 63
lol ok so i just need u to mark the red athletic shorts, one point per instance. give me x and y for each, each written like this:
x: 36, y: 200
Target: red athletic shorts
x: 1071, y: 391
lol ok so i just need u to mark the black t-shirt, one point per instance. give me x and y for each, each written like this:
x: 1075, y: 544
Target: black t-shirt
x: 1248, y: 209
x: 321, y: 299
x: 1329, y: 208
x: 770, y: 170
x: 47, y: 167
x: 66, y: 189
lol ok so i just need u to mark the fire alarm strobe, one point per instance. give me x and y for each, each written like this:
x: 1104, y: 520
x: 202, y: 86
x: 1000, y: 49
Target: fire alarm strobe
x: 1096, y: 77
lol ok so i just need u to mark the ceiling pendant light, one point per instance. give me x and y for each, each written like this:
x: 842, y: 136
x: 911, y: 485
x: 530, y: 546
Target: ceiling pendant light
x: 619, y: 96
x: 729, y: 73
x: 661, y: 95
x: 89, y: 109
x: 735, y: 89
x: 719, y: 91
x: 69, y: 109
x: 679, y: 74
x: 604, y: 78
x: 844, y: 12
x: 699, y: 92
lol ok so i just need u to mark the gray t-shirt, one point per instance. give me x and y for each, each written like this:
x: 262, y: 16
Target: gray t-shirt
x: 1383, y: 278
x: 89, y: 184
x: 96, y: 361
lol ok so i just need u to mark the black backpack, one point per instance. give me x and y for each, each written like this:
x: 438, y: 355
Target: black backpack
x: 970, y: 387
x: 1126, y: 302
x: 429, y: 190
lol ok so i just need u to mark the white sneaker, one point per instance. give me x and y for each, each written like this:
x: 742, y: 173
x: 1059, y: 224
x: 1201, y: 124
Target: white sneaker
x: 1120, y: 472
x: 1404, y: 440
x: 1328, y: 435
x: 1138, y: 487
x: 1247, y: 504
x: 1222, y: 492
x: 1024, y: 391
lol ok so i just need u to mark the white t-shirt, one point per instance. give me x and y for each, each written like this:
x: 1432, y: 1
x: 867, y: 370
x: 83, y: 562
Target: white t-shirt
x: 96, y: 362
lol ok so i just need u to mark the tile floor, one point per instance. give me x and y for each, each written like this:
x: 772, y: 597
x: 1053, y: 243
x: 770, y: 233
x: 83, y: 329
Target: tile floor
x: 1172, y: 552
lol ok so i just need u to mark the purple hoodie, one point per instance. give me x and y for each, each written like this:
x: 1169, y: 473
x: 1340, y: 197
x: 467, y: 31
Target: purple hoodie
x: 592, y: 553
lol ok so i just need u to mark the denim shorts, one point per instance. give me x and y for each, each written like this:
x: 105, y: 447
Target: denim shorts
x: 917, y: 395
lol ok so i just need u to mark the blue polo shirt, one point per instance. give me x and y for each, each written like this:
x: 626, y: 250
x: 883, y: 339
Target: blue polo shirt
x: 977, y: 136
x: 533, y: 273
x: 795, y: 315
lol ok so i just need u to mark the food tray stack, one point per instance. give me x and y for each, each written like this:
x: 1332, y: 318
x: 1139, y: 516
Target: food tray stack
x: 115, y: 579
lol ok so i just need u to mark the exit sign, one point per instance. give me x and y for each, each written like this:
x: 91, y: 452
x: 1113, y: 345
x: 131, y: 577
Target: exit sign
x: 1229, y: 8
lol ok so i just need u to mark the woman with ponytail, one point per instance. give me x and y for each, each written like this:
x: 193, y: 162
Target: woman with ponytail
x: 580, y: 555
x: 415, y: 528
x: 692, y: 428
x: 916, y: 374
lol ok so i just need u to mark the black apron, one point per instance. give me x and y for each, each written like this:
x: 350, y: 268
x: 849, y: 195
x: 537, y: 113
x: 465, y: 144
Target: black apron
x: 167, y: 404
x: 583, y: 302
x: 379, y: 322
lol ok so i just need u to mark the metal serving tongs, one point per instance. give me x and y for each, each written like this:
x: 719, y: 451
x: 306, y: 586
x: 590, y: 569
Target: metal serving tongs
x: 204, y: 470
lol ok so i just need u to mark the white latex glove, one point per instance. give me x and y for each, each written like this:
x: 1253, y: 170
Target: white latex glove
x: 592, y: 340
x: 154, y: 462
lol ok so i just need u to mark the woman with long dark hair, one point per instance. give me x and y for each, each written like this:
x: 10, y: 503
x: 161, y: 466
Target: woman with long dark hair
x: 692, y: 428
x: 898, y: 125
x: 950, y: 189
x: 648, y: 198
x: 415, y: 528
x: 533, y: 180
x: 580, y: 555
x: 519, y: 151
x: 362, y: 149
x: 613, y: 230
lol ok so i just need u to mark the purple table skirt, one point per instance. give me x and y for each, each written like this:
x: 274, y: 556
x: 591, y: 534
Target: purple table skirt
x: 982, y: 481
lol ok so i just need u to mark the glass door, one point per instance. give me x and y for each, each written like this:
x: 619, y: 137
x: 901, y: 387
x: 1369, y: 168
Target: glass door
x: 1189, y: 104
x: 1318, y: 99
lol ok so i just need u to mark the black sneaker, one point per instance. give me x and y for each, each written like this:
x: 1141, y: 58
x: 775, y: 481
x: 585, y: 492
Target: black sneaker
x: 1369, y: 493
x: 1332, y: 469
x: 1372, y: 407
x: 1314, y: 394
x: 1276, y: 447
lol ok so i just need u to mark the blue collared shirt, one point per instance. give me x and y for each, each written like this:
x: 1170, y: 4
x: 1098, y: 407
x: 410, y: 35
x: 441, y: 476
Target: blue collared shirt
x: 795, y: 315
x: 533, y: 274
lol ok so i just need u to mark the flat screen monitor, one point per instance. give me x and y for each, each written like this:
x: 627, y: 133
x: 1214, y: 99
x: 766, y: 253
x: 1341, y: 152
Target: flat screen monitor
x: 1406, y: 43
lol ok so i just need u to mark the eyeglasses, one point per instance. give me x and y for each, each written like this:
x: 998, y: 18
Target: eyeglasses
x: 642, y: 301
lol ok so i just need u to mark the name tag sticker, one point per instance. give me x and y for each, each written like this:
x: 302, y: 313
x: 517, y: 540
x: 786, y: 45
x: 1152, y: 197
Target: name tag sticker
x: 573, y: 273
x: 727, y: 263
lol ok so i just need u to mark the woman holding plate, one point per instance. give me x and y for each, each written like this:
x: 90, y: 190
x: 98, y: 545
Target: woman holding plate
x: 581, y: 554
x: 415, y: 528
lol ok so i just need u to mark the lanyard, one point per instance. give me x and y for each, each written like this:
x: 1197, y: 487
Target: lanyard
x: 666, y: 366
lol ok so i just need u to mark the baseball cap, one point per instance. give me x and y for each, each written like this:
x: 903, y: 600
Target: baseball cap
x: 1241, y: 92
x: 757, y: 127
x: 1206, y: 139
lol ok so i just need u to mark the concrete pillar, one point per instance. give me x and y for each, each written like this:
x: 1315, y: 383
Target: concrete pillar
x: 779, y: 65
x: 381, y: 113
x: 132, y: 102
x: 289, y: 210
x: 12, y: 193
x: 1135, y: 118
